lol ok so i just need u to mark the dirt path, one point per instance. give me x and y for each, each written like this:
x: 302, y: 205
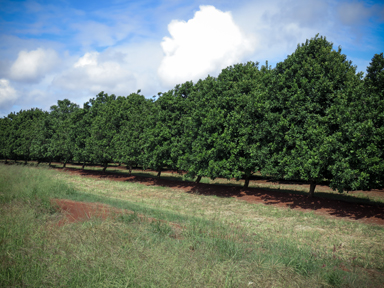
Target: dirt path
x: 366, y: 213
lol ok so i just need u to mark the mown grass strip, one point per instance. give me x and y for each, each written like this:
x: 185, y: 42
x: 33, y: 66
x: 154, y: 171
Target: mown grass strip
x: 270, y: 186
x: 278, y: 186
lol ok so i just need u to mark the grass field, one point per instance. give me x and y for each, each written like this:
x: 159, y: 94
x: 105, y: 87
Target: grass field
x: 200, y: 241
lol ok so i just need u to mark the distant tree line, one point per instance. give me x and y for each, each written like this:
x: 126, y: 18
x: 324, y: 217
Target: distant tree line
x: 311, y: 118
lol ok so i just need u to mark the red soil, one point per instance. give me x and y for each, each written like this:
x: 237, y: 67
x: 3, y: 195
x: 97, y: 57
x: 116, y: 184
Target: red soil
x: 75, y: 211
x: 366, y: 213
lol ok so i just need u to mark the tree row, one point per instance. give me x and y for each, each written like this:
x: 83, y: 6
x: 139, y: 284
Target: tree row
x: 310, y: 118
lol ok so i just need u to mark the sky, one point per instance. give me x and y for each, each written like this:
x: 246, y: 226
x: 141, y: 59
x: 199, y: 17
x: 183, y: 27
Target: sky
x: 74, y: 49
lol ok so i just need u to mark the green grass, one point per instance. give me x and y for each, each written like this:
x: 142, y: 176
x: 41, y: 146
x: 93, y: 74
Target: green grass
x: 200, y: 241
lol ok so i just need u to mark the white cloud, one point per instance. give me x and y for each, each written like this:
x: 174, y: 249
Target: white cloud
x: 89, y: 59
x: 95, y: 74
x: 207, y: 43
x: 143, y: 60
x: 8, y: 95
x: 354, y: 13
x: 279, y: 27
x: 95, y: 33
x: 119, y: 70
x: 34, y: 65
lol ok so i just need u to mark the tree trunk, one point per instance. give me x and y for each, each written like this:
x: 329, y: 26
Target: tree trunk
x: 158, y: 173
x: 105, y: 167
x: 82, y: 167
x: 25, y: 162
x: 312, y: 189
x: 246, y: 183
x: 130, y: 169
x: 6, y: 161
x: 50, y: 161
x: 65, y: 164
x: 198, y: 179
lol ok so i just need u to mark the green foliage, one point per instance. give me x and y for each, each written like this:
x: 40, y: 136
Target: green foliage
x: 305, y: 97
x: 43, y: 135
x: 200, y: 125
x: 105, y: 125
x: 5, y: 127
x: 374, y: 80
x: 21, y: 133
x: 62, y: 146
x: 360, y: 139
x: 130, y: 141
x: 364, y: 128
x: 80, y: 123
x: 164, y: 127
x: 241, y: 95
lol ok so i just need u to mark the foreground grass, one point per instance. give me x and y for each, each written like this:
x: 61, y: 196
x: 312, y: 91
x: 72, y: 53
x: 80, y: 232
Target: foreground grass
x: 204, y: 241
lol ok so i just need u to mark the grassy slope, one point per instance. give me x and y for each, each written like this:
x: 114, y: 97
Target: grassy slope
x: 222, y: 243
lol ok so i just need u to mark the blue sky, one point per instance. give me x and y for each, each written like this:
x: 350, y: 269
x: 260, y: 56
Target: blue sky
x: 52, y: 50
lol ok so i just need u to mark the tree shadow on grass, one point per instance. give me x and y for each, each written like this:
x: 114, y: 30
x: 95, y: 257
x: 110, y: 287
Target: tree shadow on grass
x: 337, y: 205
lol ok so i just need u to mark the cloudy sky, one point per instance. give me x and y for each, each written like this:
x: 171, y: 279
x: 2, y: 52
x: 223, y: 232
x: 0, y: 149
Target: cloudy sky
x: 52, y: 50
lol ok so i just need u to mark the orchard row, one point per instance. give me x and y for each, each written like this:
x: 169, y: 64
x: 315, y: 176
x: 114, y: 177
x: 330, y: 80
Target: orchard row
x: 312, y: 117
